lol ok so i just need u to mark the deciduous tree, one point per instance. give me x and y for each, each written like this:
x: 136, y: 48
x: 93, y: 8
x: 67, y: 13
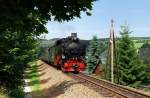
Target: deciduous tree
x: 21, y: 21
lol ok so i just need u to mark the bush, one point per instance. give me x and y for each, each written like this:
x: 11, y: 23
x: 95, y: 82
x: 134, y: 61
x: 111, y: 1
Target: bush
x: 17, y: 93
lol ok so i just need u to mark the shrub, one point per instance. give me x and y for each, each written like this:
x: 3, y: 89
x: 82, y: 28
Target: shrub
x: 17, y: 93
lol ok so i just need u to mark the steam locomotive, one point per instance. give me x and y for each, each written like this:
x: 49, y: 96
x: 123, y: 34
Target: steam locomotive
x: 68, y: 54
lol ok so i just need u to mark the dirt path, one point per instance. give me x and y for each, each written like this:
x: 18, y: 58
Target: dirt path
x: 55, y: 84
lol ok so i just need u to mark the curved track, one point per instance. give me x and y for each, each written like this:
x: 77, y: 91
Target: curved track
x: 108, y: 89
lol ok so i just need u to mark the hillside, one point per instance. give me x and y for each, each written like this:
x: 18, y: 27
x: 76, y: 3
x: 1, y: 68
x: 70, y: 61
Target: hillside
x: 138, y: 41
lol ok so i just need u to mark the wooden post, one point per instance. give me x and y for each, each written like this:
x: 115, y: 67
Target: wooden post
x: 112, y: 51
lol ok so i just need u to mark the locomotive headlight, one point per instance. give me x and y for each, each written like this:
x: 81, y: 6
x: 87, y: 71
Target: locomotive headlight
x: 86, y: 57
x: 63, y: 57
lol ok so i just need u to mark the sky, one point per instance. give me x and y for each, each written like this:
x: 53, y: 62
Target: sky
x: 136, y: 13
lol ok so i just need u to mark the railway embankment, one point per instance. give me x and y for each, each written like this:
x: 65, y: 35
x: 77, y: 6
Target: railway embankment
x: 56, y: 84
x: 48, y: 82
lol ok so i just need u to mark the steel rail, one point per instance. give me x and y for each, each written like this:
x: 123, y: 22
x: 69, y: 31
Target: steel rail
x: 117, y: 91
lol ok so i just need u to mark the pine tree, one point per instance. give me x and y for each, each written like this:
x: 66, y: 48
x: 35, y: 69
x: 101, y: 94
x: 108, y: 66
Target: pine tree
x: 130, y: 67
x: 92, y: 54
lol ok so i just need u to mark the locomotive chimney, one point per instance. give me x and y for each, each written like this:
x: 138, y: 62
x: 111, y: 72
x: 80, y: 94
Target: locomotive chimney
x: 74, y: 35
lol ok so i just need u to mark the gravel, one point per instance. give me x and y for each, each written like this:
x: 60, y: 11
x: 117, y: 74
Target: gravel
x: 55, y: 84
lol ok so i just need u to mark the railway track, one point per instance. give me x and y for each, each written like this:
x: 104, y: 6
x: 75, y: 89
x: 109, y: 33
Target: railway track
x: 108, y: 89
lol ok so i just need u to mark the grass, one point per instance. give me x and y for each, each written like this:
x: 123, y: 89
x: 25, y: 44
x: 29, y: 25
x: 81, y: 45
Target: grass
x: 3, y: 94
x: 147, y: 90
x: 138, y: 45
x: 32, y: 76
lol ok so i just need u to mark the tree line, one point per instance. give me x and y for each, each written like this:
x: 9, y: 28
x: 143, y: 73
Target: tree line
x: 129, y: 68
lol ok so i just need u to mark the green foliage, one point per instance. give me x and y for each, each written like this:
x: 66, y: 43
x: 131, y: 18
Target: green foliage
x: 105, y: 74
x: 103, y: 46
x: 146, y: 45
x: 92, y: 54
x: 147, y: 74
x: 26, y: 10
x: 21, y: 22
x: 17, y: 93
x: 138, y: 45
x: 17, y: 53
x: 131, y: 70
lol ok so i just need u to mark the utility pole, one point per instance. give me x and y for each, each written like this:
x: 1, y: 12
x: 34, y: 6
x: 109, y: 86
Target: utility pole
x: 112, y: 50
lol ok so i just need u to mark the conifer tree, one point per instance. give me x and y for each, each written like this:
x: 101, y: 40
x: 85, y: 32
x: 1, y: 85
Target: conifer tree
x: 92, y: 54
x: 130, y: 67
